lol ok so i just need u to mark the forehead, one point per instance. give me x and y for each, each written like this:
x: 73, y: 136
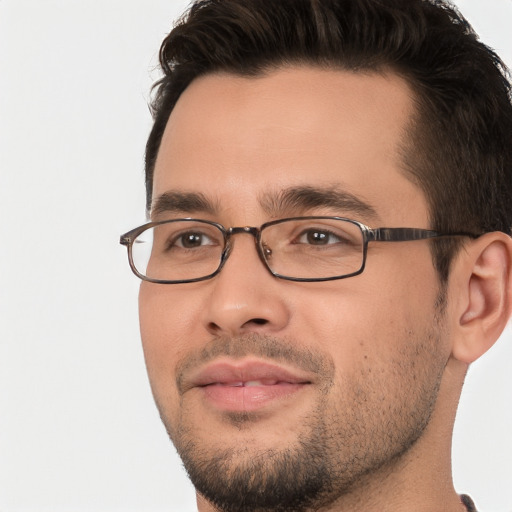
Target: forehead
x: 236, y: 139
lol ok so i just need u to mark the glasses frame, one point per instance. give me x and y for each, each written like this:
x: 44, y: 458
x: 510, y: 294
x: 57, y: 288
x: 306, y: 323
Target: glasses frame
x: 382, y: 234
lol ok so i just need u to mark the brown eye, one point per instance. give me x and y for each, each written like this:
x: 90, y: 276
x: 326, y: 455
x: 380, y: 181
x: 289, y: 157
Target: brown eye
x: 192, y: 240
x: 318, y: 237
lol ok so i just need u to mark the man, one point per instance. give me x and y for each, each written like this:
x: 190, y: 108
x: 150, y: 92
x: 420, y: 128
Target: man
x: 329, y: 186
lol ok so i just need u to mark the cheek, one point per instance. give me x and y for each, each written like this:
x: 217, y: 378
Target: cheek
x: 166, y: 327
x: 387, y: 358
x: 369, y: 317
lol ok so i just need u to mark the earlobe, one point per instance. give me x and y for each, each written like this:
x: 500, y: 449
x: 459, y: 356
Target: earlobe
x: 486, y: 287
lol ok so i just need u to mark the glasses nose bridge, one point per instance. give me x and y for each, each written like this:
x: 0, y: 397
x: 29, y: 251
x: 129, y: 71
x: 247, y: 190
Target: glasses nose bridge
x: 248, y: 230
x: 255, y: 232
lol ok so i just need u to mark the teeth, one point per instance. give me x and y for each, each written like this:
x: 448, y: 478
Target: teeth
x: 250, y: 383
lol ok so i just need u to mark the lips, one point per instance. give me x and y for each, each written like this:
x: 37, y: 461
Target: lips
x: 245, y: 386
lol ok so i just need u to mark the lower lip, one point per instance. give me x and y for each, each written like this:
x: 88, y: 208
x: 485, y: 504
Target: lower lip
x: 248, y: 398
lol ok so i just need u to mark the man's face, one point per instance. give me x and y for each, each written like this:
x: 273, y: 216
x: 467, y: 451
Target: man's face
x: 268, y: 384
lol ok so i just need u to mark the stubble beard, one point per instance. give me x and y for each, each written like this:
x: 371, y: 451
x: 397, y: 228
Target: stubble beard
x: 340, y: 444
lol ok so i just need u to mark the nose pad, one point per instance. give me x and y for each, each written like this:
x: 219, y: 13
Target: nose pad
x: 265, y: 252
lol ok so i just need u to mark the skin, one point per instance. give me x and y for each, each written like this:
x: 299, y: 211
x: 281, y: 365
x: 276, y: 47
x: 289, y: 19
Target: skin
x: 384, y: 346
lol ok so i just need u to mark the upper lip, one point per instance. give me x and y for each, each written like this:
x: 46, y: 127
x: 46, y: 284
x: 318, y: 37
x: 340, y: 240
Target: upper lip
x: 233, y: 372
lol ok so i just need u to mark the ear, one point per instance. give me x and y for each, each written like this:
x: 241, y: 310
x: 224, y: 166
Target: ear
x: 483, y: 284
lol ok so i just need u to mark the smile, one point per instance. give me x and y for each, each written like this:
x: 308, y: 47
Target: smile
x: 247, y: 386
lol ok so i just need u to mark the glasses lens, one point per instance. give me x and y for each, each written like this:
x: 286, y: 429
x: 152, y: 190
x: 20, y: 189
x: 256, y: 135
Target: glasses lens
x: 317, y: 248
x: 178, y: 250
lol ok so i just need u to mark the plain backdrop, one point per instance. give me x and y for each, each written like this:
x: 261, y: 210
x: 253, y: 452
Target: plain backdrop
x: 78, y: 427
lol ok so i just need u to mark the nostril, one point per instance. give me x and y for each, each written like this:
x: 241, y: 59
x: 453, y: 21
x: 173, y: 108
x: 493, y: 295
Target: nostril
x: 213, y: 327
x: 257, y: 321
x: 216, y: 329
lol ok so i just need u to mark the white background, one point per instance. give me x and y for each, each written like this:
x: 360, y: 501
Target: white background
x: 78, y: 428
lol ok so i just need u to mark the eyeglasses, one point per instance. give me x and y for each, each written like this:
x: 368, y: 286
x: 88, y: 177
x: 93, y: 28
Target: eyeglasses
x: 297, y: 249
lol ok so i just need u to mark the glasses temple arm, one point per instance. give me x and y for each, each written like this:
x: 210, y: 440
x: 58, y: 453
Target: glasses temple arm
x: 408, y: 234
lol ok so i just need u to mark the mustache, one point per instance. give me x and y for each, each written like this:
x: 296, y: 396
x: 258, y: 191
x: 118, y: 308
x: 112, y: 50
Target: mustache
x: 261, y: 346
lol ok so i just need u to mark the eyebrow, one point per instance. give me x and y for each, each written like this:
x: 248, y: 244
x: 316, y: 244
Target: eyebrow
x: 303, y: 199
x: 182, y: 203
x: 288, y: 202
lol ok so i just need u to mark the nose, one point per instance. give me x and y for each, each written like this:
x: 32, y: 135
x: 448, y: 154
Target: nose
x: 244, y: 297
